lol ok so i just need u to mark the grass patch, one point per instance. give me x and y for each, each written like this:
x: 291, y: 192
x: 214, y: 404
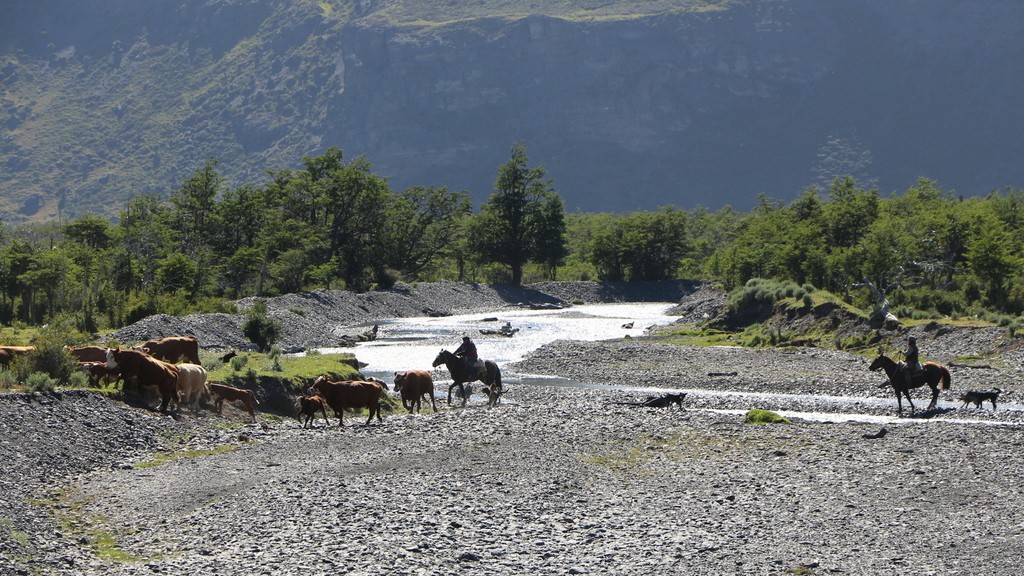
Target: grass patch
x: 69, y: 510
x: 294, y: 372
x: 164, y: 457
x: 7, y: 525
x: 765, y: 417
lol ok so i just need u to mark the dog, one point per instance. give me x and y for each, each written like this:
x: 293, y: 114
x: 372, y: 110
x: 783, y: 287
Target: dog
x: 658, y: 401
x: 977, y: 397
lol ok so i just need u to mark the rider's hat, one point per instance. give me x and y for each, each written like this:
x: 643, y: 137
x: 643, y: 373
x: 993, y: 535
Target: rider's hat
x: 912, y: 339
x: 466, y: 337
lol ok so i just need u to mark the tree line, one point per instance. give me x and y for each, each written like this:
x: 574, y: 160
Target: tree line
x: 335, y: 224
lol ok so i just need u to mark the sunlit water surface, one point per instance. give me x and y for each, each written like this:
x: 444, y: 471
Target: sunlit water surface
x: 413, y: 343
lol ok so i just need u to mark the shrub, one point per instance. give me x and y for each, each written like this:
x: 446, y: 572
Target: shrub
x: 275, y: 359
x: 764, y: 291
x: 9, y: 380
x: 239, y: 362
x: 50, y: 357
x: 259, y: 327
x: 40, y: 382
x: 79, y: 379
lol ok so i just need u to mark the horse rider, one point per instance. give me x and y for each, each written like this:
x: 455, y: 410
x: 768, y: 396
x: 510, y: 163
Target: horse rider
x: 467, y: 351
x: 913, y: 365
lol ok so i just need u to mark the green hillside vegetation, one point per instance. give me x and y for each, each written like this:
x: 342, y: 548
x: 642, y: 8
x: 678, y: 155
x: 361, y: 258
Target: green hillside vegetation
x: 87, y: 128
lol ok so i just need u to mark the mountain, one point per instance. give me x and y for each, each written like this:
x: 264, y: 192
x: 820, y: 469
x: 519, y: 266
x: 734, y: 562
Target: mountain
x: 628, y: 105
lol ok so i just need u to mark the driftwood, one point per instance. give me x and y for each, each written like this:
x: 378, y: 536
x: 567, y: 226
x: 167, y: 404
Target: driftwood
x: 876, y: 435
x: 507, y: 330
x: 348, y: 340
x: 723, y: 373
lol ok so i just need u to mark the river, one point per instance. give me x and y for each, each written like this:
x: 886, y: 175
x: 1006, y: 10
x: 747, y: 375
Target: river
x: 413, y: 343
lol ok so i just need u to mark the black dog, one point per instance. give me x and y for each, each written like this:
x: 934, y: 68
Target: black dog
x: 658, y: 401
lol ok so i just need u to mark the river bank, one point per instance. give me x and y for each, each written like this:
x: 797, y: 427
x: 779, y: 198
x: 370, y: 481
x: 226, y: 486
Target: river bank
x: 323, y: 318
x: 555, y: 480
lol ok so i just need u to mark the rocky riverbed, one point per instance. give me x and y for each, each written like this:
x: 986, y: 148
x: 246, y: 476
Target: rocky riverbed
x: 555, y: 480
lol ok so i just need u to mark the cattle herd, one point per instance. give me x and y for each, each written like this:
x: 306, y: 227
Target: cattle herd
x: 172, y: 367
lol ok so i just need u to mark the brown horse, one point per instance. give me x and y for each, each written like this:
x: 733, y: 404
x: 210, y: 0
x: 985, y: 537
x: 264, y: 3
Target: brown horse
x: 933, y: 374
x: 148, y: 370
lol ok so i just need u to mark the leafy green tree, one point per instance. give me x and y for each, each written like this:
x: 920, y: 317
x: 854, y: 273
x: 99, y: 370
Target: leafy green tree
x: 178, y: 272
x: 194, y: 207
x: 523, y: 219
x: 147, y: 232
x: 420, y: 224
x: 241, y: 214
x: 641, y: 246
x: 992, y: 261
x: 850, y: 214
x: 91, y: 231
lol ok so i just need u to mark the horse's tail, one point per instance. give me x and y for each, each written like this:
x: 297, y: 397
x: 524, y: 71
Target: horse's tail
x: 945, y: 378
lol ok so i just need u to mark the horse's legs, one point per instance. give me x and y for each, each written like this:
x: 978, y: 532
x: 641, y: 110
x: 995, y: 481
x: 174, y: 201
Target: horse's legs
x: 906, y: 392
x: 462, y: 392
x: 935, y: 396
x: 899, y: 401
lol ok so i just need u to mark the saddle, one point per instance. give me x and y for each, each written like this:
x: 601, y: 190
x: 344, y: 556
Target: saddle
x: 480, y: 369
x: 916, y: 371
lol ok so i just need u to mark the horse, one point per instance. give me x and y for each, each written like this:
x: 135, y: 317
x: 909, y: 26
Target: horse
x: 933, y: 374
x: 457, y: 367
x: 148, y: 370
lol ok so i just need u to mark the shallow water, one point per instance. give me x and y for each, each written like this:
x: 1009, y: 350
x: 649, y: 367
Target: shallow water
x: 413, y: 343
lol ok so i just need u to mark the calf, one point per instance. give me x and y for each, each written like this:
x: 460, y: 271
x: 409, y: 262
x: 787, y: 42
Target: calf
x: 413, y: 385
x: 98, y: 371
x: 308, y: 406
x: 352, y: 394
x: 223, y: 393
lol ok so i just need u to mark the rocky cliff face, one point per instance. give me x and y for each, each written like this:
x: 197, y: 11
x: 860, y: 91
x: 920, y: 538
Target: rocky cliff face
x: 696, y: 108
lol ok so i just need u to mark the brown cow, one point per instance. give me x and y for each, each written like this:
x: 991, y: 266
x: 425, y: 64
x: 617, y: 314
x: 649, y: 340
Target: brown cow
x: 172, y: 348
x: 223, y: 392
x: 7, y: 353
x: 413, y: 385
x: 98, y: 371
x: 352, y: 394
x: 148, y: 370
x: 88, y: 353
x: 308, y: 405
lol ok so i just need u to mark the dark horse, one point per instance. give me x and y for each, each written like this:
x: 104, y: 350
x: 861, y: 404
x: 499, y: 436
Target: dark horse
x: 932, y: 375
x: 457, y: 367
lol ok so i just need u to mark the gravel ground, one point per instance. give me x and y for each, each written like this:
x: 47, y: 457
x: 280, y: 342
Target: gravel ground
x: 555, y: 480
